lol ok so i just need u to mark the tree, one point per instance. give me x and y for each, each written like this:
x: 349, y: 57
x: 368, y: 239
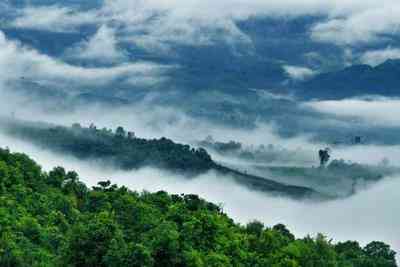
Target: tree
x: 324, y: 156
x: 91, y: 240
x: 45, y: 224
x: 380, y: 255
x: 120, y: 132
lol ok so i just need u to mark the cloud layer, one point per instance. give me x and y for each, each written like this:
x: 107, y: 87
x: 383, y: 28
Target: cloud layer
x: 376, y: 57
x: 52, y: 18
x: 155, y: 22
x: 375, y: 111
x: 17, y: 61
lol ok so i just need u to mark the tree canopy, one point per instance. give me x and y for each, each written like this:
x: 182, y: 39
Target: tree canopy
x: 117, y: 147
x: 53, y: 219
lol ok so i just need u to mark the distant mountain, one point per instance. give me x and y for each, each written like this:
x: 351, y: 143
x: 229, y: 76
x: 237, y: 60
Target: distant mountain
x: 354, y: 81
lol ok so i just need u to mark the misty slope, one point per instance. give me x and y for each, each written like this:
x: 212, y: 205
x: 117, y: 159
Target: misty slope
x: 341, y: 178
x: 108, y: 225
x: 356, y: 80
x: 125, y: 151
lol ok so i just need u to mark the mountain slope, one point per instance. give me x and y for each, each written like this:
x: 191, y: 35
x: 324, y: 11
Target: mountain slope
x: 52, y: 219
x: 125, y: 151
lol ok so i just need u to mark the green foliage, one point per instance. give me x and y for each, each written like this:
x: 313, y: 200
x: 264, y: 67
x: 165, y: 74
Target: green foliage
x: 52, y: 219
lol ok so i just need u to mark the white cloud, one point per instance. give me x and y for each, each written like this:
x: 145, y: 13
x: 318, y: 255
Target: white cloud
x: 154, y: 23
x: 378, y: 111
x: 298, y: 73
x: 52, y: 18
x: 377, y: 57
x: 17, y: 61
x: 103, y: 47
x: 361, y: 26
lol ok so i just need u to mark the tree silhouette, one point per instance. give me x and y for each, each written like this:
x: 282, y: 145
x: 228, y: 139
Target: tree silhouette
x: 324, y: 156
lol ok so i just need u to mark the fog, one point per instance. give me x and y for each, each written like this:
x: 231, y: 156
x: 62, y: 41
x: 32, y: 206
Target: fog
x: 148, y: 120
x: 375, y: 111
x: 369, y: 215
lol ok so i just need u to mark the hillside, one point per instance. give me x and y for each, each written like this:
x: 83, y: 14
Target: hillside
x: 299, y: 167
x: 123, y: 150
x: 108, y: 225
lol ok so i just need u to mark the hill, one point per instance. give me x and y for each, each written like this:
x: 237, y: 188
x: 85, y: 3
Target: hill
x: 123, y: 150
x: 299, y: 167
x: 52, y: 219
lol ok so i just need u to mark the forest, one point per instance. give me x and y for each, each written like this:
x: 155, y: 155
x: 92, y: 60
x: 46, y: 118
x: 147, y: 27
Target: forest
x: 53, y: 219
x: 122, y: 149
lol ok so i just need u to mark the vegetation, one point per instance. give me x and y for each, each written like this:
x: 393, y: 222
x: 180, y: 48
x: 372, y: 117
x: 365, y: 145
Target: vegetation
x: 337, y: 178
x: 124, y: 150
x: 260, y: 154
x: 337, y: 169
x: 118, y: 147
x: 53, y: 219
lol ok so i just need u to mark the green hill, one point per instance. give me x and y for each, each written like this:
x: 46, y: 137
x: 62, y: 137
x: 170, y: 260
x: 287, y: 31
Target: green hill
x: 52, y: 219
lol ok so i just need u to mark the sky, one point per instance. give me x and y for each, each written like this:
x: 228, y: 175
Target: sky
x: 158, y: 25
x: 366, y: 31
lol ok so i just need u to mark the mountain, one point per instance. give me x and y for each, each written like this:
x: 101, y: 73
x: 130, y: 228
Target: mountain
x: 357, y: 80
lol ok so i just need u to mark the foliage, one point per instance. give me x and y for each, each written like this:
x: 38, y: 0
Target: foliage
x: 122, y: 148
x: 52, y: 219
x: 259, y: 154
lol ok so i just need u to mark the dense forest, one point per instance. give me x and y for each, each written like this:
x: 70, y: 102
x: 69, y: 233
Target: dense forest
x: 53, y: 219
x: 123, y: 149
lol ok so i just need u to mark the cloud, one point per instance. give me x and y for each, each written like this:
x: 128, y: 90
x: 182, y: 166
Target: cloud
x: 374, y: 111
x: 376, y: 57
x: 52, y: 18
x: 366, y: 25
x: 152, y: 24
x: 103, y: 47
x: 18, y: 61
x: 155, y: 25
x: 299, y: 73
